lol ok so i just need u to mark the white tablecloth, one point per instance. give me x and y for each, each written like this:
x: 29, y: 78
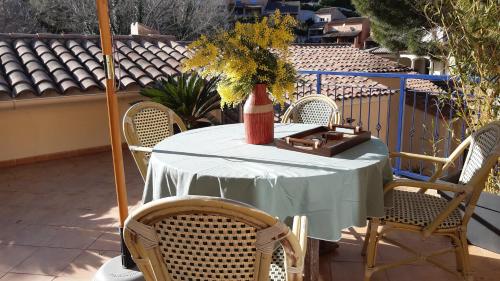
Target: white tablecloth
x: 334, y: 193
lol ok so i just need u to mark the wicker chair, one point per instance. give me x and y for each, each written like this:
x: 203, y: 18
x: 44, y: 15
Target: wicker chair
x: 202, y: 238
x: 144, y: 125
x: 428, y: 215
x: 313, y: 109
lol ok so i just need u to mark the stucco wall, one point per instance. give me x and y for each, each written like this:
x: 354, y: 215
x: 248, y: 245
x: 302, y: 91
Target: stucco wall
x: 44, y: 126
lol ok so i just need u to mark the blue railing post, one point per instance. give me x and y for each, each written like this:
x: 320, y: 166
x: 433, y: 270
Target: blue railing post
x: 401, y: 111
x: 318, y: 83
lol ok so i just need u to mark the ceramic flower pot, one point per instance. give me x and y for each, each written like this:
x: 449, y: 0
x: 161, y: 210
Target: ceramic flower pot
x: 258, y: 116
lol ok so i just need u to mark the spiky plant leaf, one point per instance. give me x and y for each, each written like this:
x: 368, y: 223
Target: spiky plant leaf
x: 188, y: 95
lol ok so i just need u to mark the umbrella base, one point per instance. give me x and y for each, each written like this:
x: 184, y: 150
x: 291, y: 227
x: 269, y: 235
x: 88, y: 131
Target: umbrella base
x: 113, y: 270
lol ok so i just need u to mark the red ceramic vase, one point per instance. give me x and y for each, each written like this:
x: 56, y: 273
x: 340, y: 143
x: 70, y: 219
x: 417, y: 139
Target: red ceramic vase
x: 258, y: 116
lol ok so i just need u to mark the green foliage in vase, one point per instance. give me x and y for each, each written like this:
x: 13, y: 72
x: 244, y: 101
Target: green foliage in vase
x: 188, y: 95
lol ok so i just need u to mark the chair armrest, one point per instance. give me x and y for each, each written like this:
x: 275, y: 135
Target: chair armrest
x: 418, y: 156
x: 426, y: 185
x: 140, y: 148
x: 299, y: 228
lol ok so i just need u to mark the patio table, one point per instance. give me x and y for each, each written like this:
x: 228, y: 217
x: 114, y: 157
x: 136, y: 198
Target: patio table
x: 333, y: 192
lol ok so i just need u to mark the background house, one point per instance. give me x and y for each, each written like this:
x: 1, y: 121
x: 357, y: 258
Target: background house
x: 424, y: 64
x: 420, y: 64
x: 328, y: 14
x: 319, y: 19
x: 383, y: 52
x: 291, y: 8
x: 315, y: 32
x: 247, y: 8
x: 353, y: 30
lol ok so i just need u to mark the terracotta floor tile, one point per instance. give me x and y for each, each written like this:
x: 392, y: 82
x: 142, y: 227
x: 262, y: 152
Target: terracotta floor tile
x: 417, y: 273
x: 9, y: 231
x: 10, y: 214
x: 73, y: 238
x: 86, y: 264
x: 12, y: 255
x: 70, y: 278
x: 84, y: 218
x: 26, y: 277
x: 484, y: 260
x: 486, y: 275
x: 348, y: 250
x: 324, y: 269
x: 353, y: 271
x: 354, y: 234
x: 35, y: 215
x: 47, y: 261
x: 107, y: 242
x: 33, y: 235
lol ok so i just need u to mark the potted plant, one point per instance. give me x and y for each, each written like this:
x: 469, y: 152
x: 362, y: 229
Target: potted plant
x: 252, y: 62
x: 188, y: 95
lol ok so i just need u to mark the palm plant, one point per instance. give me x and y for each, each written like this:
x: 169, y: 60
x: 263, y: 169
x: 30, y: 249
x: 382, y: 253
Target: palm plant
x: 188, y: 95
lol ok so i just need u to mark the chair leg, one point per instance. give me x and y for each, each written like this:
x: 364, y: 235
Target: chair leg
x: 371, y: 248
x: 367, y: 238
x: 459, y: 254
x: 465, y: 255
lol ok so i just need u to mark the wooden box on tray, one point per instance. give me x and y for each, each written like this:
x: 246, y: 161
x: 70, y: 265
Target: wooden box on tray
x: 324, y: 141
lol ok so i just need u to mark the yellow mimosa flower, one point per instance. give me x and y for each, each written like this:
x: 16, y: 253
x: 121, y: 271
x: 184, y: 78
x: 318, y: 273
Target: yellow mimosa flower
x: 249, y: 54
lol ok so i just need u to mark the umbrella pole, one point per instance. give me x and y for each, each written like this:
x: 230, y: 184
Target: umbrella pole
x: 114, y: 123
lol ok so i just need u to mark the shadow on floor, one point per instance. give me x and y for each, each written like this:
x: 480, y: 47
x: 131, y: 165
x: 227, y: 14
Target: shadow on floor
x: 60, y: 218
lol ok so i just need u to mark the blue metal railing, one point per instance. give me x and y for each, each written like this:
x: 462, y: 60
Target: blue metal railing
x: 411, y: 118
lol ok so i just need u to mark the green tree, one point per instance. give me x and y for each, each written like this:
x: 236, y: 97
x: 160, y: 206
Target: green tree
x: 397, y: 24
x: 185, y: 19
x: 472, y: 47
x: 16, y: 16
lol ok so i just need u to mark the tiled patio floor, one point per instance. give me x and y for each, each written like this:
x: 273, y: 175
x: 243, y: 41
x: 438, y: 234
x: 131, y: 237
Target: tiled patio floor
x: 58, y: 222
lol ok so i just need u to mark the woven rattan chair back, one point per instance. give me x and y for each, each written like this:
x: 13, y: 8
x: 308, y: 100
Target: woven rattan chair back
x: 484, y: 152
x: 207, y: 239
x: 484, y: 145
x: 145, y: 124
x: 313, y: 109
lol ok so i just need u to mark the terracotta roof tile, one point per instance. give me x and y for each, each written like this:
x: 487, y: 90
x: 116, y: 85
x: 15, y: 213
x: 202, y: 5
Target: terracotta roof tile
x: 46, y: 63
x: 4, y: 89
x: 419, y: 85
x: 67, y: 84
x: 44, y: 87
x: 173, y: 63
x: 22, y: 88
x: 2, y: 80
x: 179, y: 47
x: 166, y: 48
x: 334, y: 57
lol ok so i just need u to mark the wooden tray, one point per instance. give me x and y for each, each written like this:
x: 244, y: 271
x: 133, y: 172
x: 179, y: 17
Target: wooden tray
x: 324, y: 141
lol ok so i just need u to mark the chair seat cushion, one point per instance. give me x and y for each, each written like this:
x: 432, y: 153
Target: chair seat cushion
x: 420, y: 209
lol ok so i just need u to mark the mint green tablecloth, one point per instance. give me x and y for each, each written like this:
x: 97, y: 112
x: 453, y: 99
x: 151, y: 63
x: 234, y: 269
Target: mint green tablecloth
x: 334, y: 193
